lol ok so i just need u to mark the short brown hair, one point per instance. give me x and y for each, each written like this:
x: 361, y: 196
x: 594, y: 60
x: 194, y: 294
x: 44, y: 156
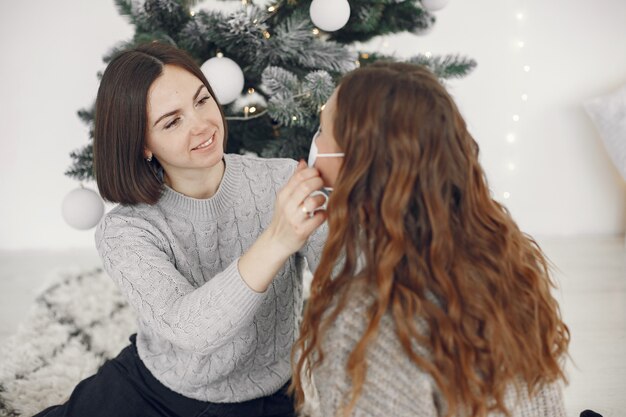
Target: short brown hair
x: 122, y: 174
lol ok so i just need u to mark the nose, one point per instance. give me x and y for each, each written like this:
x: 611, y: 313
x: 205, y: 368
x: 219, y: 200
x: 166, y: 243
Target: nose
x: 199, y: 124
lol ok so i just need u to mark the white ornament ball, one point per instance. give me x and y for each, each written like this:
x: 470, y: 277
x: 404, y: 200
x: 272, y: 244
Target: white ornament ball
x: 82, y: 208
x: 434, y: 5
x: 330, y: 15
x: 225, y: 77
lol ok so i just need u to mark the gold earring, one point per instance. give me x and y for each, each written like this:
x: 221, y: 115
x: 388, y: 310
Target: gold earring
x: 149, y: 159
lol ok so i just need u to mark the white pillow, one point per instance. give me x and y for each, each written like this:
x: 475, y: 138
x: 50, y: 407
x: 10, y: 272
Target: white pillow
x: 608, y: 113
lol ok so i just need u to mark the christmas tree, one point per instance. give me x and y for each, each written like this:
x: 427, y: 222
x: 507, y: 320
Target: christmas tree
x: 278, y: 63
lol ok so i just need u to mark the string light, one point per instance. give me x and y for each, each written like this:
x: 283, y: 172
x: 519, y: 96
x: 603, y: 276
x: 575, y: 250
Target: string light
x: 365, y: 56
x: 316, y: 31
x: 294, y: 118
x: 220, y: 55
x: 511, y: 137
x: 428, y: 54
x: 271, y: 9
x: 322, y: 107
x: 250, y: 90
x: 252, y: 109
x: 192, y: 13
x: 267, y: 34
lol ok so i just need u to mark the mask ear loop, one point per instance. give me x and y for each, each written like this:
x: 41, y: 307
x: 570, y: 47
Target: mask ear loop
x: 324, y: 205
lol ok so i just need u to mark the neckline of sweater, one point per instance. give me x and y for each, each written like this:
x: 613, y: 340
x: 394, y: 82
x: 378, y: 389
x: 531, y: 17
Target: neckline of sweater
x: 181, y: 205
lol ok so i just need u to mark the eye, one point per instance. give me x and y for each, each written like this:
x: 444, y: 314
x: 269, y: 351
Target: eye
x: 204, y: 100
x: 173, y: 123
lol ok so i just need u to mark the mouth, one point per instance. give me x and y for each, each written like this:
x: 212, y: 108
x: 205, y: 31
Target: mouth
x: 204, y: 144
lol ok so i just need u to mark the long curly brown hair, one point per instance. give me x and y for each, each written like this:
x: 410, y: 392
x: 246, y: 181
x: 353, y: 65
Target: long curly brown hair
x: 412, y: 201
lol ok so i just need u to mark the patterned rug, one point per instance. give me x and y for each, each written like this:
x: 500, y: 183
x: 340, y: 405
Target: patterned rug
x: 79, y: 321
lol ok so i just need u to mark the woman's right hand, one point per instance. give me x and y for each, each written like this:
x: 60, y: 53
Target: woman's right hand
x: 293, y: 222
x: 295, y: 218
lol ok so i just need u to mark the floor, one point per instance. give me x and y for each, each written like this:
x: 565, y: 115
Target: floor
x: 591, y: 273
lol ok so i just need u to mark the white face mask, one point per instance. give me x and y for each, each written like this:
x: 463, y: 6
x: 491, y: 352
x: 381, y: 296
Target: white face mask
x: 313, y: 155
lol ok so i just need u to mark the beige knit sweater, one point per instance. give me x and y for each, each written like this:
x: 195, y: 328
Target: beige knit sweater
x: 394, y: 385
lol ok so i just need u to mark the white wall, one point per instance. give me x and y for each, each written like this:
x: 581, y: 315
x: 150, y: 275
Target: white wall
x: 563, y: 182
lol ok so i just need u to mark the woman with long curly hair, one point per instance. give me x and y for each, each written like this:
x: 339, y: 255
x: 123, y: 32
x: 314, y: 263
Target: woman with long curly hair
x: 428, y: 299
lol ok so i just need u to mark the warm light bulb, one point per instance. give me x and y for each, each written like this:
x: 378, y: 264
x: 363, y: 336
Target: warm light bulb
x: 192, y: 13
x: 510, y: 138
x: 266, y: 34
x: 250, y: 90
x: 252, y: 109
x: 322, y: 107
x: 516, y: 118
x: 316, y: 31
x: 271, y: 9
x: 506, y: 195
x: 365, y: 55
x: 524, y: 97
x: 527, y: 68
x: 428, y: 54
x: 220, y: 55
x: 294, y: 118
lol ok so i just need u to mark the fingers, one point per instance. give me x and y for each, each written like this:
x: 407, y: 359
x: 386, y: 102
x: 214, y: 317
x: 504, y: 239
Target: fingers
x: 314, y: 202
x: 302, y: 174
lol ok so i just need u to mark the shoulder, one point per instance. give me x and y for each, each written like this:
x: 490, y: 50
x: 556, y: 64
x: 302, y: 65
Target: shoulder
x: 274, y: 167
x: 126, y: 222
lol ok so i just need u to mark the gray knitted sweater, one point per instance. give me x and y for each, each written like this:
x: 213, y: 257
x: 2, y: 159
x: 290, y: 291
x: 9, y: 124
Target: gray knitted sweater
x: 394, y: 385
x: 202, y: 331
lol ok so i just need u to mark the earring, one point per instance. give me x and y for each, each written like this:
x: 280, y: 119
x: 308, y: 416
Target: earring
x: 149, y: 159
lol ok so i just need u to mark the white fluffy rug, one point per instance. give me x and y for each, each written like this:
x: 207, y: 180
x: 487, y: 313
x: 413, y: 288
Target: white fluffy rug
x: 77, y: 323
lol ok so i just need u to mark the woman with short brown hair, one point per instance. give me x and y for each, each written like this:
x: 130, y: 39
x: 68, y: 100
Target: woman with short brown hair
x: 207, y: 248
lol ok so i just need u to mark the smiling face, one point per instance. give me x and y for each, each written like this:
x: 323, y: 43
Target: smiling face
x: 185, y: 129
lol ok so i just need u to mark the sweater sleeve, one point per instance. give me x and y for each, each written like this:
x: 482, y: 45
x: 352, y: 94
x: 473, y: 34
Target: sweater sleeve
x: 393, y: 384
x: 194, y: 319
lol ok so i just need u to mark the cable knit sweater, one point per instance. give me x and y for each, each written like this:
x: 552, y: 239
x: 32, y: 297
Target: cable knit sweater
x: 394, y: 385
x: 202, y: 331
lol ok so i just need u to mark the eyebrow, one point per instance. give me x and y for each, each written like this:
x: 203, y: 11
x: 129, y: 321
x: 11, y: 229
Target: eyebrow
x: 195, y: 96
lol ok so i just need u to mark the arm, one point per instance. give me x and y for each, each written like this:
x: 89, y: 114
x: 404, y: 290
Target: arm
x: 287, y: 233
x: 196, y: 319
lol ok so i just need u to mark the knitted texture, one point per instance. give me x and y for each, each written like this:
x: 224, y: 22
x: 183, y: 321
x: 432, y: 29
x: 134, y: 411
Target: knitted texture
x: 202, y: 331
x: 394, y: 385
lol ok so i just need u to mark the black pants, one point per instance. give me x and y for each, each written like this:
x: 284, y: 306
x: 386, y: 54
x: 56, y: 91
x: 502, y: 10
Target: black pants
x: 123, y: 387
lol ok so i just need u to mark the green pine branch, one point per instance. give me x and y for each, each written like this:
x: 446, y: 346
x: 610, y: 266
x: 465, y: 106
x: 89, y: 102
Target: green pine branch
x: 291, y: 68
